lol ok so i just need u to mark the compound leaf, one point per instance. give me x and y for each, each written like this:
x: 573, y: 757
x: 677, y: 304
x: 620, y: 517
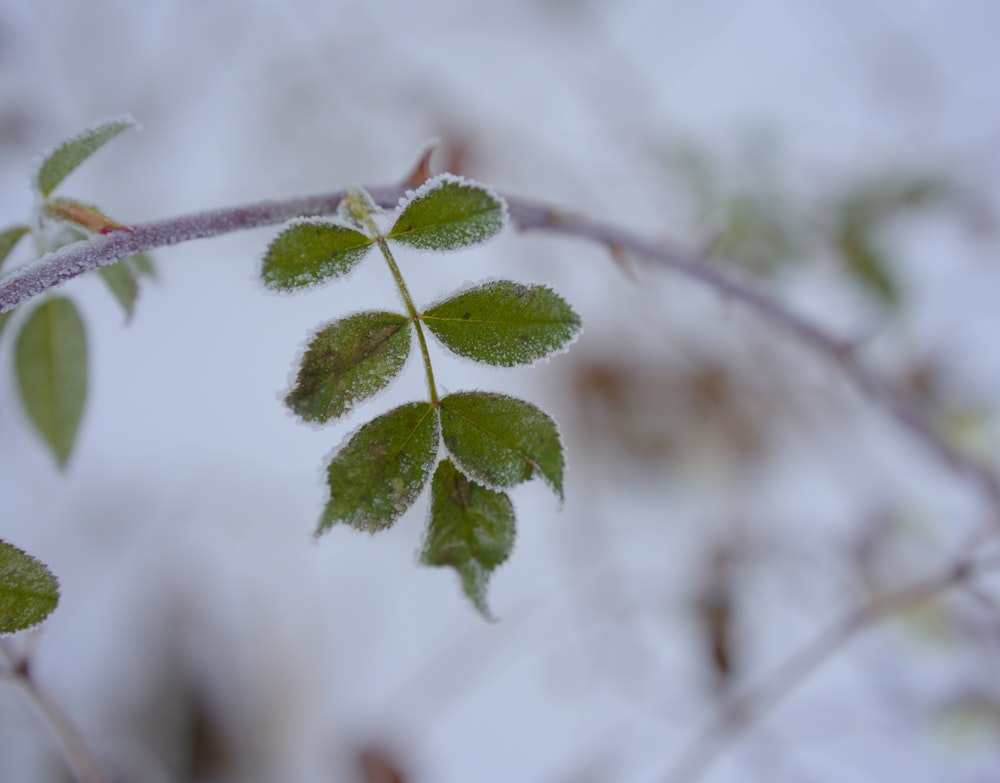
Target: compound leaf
x: 310, y: 251
x: 448, y: 213
x: 378, y: 475
x: 471, y: 529
x: 502, y: 441
x: 504, y: 323
x: 51, y: 363
x: 8, y: 238
x: 348, y: 361
x: 59, y: 162
x: 28, y: 590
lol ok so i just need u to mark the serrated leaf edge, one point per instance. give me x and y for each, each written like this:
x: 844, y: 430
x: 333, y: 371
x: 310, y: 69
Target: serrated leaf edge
x: 322, y: 530
x: 537, y: 472
x: 435, y: 183
x: 55, y: 580
x: 468, y: 287
x: 304, y: 346
x: 310, y: 220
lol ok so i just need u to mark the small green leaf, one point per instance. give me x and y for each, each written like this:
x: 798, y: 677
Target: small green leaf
x: 471, y: 529
x: 502, y: 441
x: 28, y: 590
x: 4, y: 317
x: 504, y: 323
x: 51, y: 363
x: 867, y: 264
x: 8, y: 238
x: 349, y: 361
x: 310, y: 251
x: 448, y: 213
x: 120, y: 278
x: 58, y: 163
x: 357, y: 209
x: 142, y: 264
x: 378, y: 475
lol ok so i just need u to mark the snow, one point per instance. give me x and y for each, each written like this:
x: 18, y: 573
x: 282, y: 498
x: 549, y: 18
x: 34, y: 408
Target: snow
x: 181, y: 529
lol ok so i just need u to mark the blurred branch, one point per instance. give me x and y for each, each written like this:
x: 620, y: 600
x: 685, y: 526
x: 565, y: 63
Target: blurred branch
x: 18, y: 668
x: 747, y: 708
x: 76, y: 259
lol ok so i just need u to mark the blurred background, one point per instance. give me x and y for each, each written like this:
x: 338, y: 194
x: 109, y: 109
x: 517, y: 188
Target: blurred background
x: 728, y: 496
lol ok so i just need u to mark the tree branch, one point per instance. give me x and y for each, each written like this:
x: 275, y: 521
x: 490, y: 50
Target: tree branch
x: 73, y: 260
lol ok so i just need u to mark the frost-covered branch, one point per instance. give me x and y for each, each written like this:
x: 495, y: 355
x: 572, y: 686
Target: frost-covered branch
x: 81, y: 257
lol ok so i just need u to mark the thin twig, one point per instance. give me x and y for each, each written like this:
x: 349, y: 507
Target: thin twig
x: 74, y: 749
x: 746, y: 709
x: 73, y: 260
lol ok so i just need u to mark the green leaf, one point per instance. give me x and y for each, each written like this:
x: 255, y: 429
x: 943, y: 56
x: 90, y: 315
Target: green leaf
x: 28, y: 590
x: 310, y: 251
x: 121, y: 280
x: 504, y: 323
x: 51, y: 363
x: 867, y: 264
x: 471, y: 529
x: 349, y: 361
x: 378, y: 475
x: 142, y: 265
x: 4, y: 317
x: 502, y: 441
x: 8, y: 238
x: 357, y: 208
x: 59, y: 162
x: 448, y: 213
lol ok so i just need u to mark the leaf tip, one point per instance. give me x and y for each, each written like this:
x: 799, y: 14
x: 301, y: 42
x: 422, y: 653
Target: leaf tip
x: 58, y: 162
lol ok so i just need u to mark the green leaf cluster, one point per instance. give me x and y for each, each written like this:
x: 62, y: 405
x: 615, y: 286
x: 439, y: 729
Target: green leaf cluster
x: 493, y: 442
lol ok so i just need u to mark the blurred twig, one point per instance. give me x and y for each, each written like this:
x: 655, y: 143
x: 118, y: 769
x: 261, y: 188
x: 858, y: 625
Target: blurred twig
x: 747, y: 708
x: 17, y: 667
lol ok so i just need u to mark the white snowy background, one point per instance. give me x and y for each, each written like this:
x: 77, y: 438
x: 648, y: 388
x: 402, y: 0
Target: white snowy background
x: 181, y: 530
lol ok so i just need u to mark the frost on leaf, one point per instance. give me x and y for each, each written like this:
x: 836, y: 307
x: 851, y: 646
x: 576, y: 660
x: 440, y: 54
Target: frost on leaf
x: 448, y: 213
x: 60, y: 162
x: 502, y: 441
x: 504, y: 323
x: 310, y: 251
x: 349, y: 361
x: 357, y: 208
x: 28, y: 590
x: 471, y: 530
x: 51, y: 363
x: 378, y: 475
